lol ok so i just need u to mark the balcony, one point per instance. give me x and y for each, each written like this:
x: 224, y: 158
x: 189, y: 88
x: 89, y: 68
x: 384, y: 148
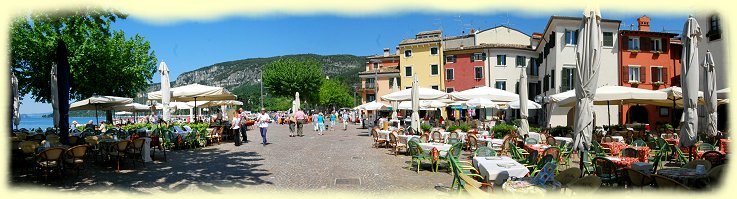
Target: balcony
x: 368, y: 87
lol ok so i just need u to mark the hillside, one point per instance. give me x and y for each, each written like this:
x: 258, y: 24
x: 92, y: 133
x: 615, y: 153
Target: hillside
x: 233, y: 74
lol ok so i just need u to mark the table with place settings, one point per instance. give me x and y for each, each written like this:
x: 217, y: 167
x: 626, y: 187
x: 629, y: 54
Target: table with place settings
x: 498, y: 169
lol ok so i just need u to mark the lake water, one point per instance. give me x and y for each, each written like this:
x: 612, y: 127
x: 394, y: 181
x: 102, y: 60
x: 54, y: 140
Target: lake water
x: 36, y: 121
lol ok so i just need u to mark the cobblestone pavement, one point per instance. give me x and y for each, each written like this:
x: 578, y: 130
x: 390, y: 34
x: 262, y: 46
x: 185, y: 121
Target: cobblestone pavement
x: 339, y: 160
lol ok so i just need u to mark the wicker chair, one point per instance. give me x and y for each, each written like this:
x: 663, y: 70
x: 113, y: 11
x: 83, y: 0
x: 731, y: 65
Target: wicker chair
x: 424, y: 138
x: 38, y: 138
x: 586, y: 184
x: 629, y: 152
x: 395, y: 144
x: 49, y: 161
x: 550, y: 140
x: 606, y: 170
x: 714, y: 157
x: 716, y: 174
x: 567, y: 176
x: 94, y: 146
x: 693, y: 163
x: 437, y: 137
x: 484, y: 151
x: 453, y: 135
x: 663, y: 182
x: 471, y: 144
x: 28, y: 148
x: 119, y: 151
x: 637, y: 178
x: 378, y: 140
x: 530, y: 141
x: 135, y: 151
x: 75, y: 157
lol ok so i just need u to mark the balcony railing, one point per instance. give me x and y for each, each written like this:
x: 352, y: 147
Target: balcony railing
x: 369, y: 85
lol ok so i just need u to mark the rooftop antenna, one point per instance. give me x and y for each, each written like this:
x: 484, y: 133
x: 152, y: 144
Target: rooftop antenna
x: 507, y: 22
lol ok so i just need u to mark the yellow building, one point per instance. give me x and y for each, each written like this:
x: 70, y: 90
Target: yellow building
x: 423, y: 56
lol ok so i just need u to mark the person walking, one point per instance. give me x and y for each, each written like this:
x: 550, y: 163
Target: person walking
x: 263, y: 121
x: 345, y: 121
x: 300, y: 117
x: 235, y: 127
x: 314, y: 122
x: 333, y: 117
x: 320, y: 123
x: 292, y: 125
x: 243, y: 127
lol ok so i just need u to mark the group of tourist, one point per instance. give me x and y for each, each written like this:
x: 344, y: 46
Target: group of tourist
x: 238, y: 125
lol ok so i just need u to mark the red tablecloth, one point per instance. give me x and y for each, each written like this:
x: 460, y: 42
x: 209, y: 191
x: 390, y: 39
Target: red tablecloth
x: 615, y: 147
x: 643, y: 152
x: 622, y: 162
x: 723, y: 145
x: 672, y: 141
x: 699, y: 153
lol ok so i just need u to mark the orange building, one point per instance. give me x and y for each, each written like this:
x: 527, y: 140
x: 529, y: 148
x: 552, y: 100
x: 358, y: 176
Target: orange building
x: 380, y: 73
x: 649, y: 60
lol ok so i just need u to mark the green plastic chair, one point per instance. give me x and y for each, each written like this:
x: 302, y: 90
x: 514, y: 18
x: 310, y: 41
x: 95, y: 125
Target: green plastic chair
x: 531, y: 141
x: 453, y: 141
x: 565, y: 152
x: 588, y: 165
x: 418, y: 155
x: 606, y: 170
x: 598, y: 149
x: 639, y: 142
x: 680, y: 157
x: 706, y: 147
x: 543, y: 161
x: 484, y: 151
x: 657, y: 159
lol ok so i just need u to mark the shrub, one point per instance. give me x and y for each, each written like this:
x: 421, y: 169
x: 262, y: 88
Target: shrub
x: 501, y: 130
x: 560, y: 131
x: 535, y: 129
x: 464, y: 127
x: 425, y: 127
x: 452, y: 128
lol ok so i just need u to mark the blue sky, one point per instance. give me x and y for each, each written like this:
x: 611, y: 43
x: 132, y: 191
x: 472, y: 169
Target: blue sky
x: 188, y: 45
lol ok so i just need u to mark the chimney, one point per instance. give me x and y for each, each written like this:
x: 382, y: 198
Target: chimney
x: 386, y: 52
x: 643, y: 23
x: 471, y: 32
x: 397, y: 50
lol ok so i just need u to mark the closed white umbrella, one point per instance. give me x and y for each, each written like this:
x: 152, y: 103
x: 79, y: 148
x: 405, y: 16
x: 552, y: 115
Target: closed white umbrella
x: 710, y: 95
x: 422, y: 94
x: 16, y: 99
x: 690, y: 80
x: 588, y: 53
x: 55, y: 95
x: 415, y: 96
x: 297, y: 103
x: 395, y: 88
x: 524, y: 125
x: 165, y: 92
x: 490, y: 93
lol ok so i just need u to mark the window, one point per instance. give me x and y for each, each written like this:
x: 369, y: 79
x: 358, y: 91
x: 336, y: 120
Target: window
x: 370, y: 83
x: 449, y: 74
x: 408, y: 71
x: 434, y: 51
x: 370, y: 97
x: 715, y: 28
x: 434, y: 69
x: 501, y: 60
x: 567, y: 79
x: 407, y: 53
x: 450, y: 59
x: 520, y: 61
x: 664, y: 111
x: 634, y: 74
x: 479, y: 72
x: 571, y: 37
x: 534, y: 69
x: 449, y: 90
x: 478, y: 57
x: 633, y: 43
x: 656, y: 45
x: 608, y: 40
x: 436, y: 87
x: 376, y: 65
x: 501, y: 84
x: 658, y: 74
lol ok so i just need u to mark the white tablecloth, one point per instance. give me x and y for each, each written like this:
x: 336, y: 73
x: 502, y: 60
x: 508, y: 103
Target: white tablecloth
x: 491, y: 142
x: 440, y: 146
x: 405, y: 138
x: 566, y: 139
x: 534, y: 135
x: 618, y: 138
x: 494, y: 170
x: 146, y: 153
x: 384, y: 134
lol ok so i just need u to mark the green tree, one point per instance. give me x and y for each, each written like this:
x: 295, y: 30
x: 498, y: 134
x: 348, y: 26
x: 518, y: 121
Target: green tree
x: 284, y: 77
x: 102, y: 61
x: 335, y: 93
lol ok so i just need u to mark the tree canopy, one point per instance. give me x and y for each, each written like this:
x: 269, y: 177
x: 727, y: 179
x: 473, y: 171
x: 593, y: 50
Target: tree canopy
x: 284, y: 77
x: 102, y: 61
x: 335, y: 93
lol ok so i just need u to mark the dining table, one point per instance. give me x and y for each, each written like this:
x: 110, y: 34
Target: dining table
x: 498, y: 169
x: 540, y: 148
x: 643, y: 152
x: 614, y: 147
x: 724, y: 145
x: 622, y: 162
x: 688, y: 177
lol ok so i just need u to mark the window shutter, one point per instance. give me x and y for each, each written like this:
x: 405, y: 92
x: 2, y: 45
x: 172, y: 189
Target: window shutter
x: 646, y: 44
x: 664, y: 71
x: 575, y: 37
x: 625, y: 43
x: 653, y: 77
x: 552, y: 79
x: 642, y: 74
x: 625, y: 74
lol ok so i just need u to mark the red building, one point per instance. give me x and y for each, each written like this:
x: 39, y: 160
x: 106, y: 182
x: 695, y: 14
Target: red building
x: 464, y: 68
x: 649, y: 60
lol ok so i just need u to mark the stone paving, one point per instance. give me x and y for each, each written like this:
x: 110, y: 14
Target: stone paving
x: 339, y: 160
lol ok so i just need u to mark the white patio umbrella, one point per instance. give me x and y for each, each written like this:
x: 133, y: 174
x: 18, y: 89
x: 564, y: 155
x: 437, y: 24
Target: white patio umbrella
x: 723, y: 93
x: 710, y: 95
x: 415, y: 96
x: 690, y: 80
x: 490, y: 93
x: 16, y: 99
x: 606, y: 95
x: 524, y: 125
x: 530, y: 105
x: 424, y: 105
x: 165, y: 92
x: 481, y: 103
x: 132, y: 107
x: 123, y: 113
x: 55, y: 95
x: 194, y: 92
x: 588, y: 53
x: 99, y: 103
x: 374, y: 106
x: 422, y: 94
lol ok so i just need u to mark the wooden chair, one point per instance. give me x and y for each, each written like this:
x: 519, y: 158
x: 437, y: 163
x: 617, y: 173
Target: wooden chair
x: 424, y: 138
x: 119, y: 151
x: 663, y: 182
x: 378, y: 140
x: 75, y: 157
x: 49, y: 161
x: 395, y: 144
x: 471, y: 144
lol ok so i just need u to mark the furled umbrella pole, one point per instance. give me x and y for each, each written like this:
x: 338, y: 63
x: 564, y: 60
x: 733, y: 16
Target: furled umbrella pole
x: 690, y: 81
x: 710, y: 94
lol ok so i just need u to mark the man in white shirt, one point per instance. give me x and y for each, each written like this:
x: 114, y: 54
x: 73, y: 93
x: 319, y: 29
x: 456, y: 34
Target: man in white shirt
x: 263, y: 121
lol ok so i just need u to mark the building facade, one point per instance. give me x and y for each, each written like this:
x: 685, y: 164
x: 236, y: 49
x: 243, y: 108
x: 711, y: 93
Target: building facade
x: 422, y: 56
x: 556, y: 51
x: 464, y: 69
x: 713, y: 41
x: 380, y: 74
x: 648, y: 60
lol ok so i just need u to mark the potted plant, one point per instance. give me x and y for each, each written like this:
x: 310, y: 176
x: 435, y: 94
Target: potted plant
x: 501, y: 130
x: 425, y: 128
x: 464, y: 127
x: 451, y: 128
